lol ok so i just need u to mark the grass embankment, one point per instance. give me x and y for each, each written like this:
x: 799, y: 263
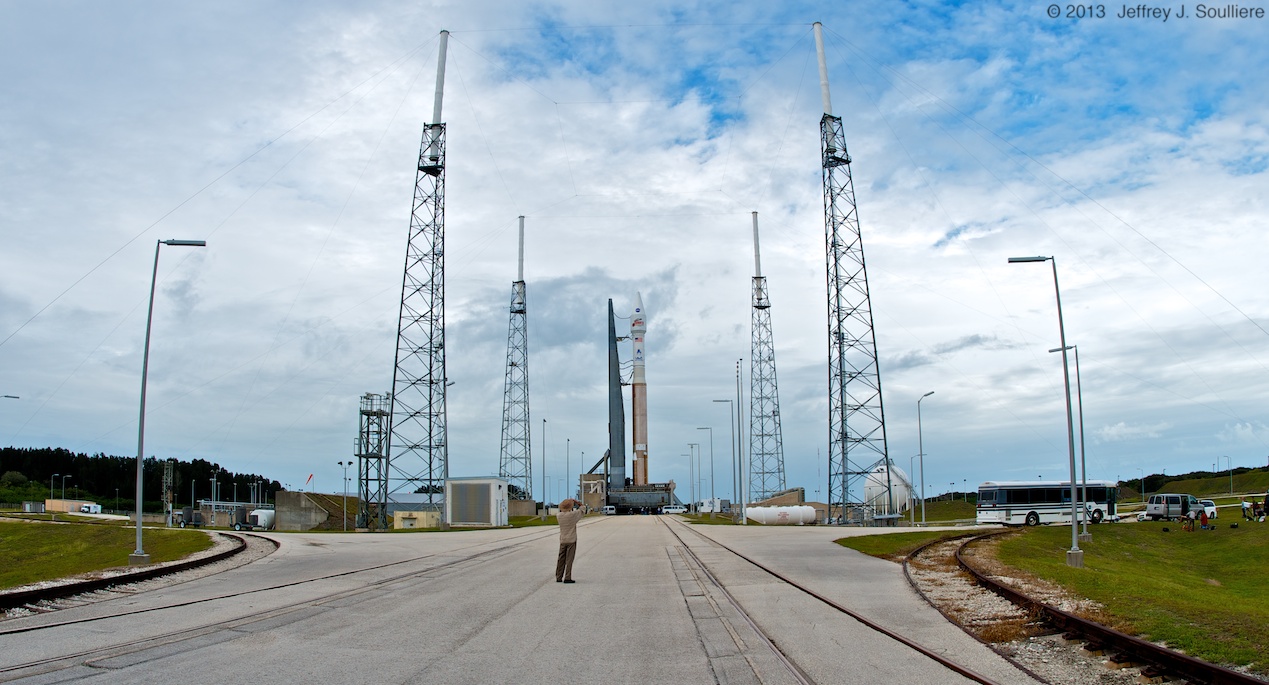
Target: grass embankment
x: 895, y: 546
x: 709, y: 519
x: 32, y: 552
x: 1201, y: 592
x: 937, y: 511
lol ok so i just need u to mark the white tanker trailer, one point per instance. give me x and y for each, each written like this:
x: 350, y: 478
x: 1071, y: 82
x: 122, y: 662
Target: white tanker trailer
x: 781, y: 516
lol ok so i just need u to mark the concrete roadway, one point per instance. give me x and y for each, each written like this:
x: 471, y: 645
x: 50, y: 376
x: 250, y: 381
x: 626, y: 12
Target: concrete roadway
x: 641, y: 611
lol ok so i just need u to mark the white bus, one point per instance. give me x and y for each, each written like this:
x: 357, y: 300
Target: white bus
x: 1016, y: 503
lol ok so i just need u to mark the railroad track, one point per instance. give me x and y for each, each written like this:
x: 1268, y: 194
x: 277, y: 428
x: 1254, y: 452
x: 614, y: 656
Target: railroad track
x: 33, y: 598
x: 872, y: 625
x: 1156, y: 661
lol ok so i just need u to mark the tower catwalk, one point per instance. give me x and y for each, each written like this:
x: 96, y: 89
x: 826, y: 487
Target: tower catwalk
x: 766, y: 445
x: 417, y: 439
x: 856, y: 422
x: 516, y: 464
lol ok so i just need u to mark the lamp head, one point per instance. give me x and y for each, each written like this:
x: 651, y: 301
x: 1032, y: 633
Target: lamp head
x: 1019, y: 260
x: 185, y: 243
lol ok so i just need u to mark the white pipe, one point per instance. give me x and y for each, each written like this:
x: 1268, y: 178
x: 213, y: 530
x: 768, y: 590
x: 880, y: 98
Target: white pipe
x: 757, y: 260
x: 520, y: 272
x: 819, y: 53
x: 440, y: 78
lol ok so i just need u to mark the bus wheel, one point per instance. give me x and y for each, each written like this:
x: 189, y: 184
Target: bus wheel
x: 1033, y: 519
x: 1097, y: 516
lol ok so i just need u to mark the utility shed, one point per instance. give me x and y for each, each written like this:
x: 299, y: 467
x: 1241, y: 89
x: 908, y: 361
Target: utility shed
x: 476, y: 502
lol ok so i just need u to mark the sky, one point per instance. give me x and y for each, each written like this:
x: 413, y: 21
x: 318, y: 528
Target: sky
x: 636, y: 139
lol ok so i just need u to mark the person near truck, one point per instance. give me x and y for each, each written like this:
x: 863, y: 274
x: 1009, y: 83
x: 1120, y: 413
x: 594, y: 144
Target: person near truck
x: 570, y: 514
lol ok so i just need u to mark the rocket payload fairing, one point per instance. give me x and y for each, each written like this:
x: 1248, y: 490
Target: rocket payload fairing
x: 639, y: 394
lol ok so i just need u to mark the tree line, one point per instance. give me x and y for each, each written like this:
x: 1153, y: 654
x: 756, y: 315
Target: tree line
x: 36, y: 473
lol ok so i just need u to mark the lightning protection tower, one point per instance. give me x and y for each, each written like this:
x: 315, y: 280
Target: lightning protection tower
x: 371, y: 450
x: 766, y: 445
x: 417, y: 439
x: 516, y: 462
x: 856, y: 423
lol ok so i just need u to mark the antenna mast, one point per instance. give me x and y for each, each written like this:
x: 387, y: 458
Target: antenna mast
x: 766, y: 445
x: 516, y: 461
x: 856, y: 423
x: 417, y: 440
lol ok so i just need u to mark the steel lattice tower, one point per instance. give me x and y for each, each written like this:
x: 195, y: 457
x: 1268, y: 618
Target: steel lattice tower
x: 766, y: 444
x: 371, y: 450
x: 516, y: 462
x: 856, y: 423
x: 417, y: 440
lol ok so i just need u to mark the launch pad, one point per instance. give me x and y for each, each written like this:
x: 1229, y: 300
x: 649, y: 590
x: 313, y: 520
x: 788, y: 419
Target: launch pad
x: 629, y: 495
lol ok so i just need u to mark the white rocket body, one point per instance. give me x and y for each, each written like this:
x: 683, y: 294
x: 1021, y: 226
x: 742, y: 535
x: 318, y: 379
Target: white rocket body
x: 639, y: 394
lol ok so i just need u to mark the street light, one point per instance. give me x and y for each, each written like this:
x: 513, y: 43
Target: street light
x: 1074, y: 557
x: 1230, y: 463
x: 712, y: 504
x: 138, y: 556
x: 734, y: 468
x: 921, y: 453
x: 543, y: 469
x: 10, y: 397
x: 345, y: 464
x: 50, y: 485
x: 64, y: 486
x: 697, y: 493
x: 1143, y: 485
x: 1085, y: 536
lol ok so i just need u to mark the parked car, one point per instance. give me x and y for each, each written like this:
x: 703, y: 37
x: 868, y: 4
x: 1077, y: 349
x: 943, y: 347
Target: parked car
x: 1210, y: 507
x: 674, y: 509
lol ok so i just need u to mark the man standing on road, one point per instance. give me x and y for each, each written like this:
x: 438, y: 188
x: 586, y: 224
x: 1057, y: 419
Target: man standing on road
x: 570, y: 514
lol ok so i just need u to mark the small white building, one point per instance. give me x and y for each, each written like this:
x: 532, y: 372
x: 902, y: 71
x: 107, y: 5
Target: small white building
x: 472, y: 502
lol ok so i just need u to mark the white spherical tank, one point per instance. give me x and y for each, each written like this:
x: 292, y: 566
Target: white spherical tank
x: 878, y: 493
x: 781, y: 516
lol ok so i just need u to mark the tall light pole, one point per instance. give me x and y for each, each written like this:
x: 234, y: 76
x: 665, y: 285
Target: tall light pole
x: 568, y: 467
x: 1230, y: 462
x: 735, y: 491
x: 1143, y: 485
x: 138, y: 556
x: 921, y: 453
x: 1085, y: 536
x: 345, y: 465
x: 50, y: 485
x: 711, y: 466
x: 64, y: 485
x: 697, y: 493
x: 741, y: 471
x: 690, y: 475
x: 544, y: 512
x: 911, y: 494
x: 1075, y: 556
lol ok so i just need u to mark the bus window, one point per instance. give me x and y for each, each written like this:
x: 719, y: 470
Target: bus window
x: 987, y: 496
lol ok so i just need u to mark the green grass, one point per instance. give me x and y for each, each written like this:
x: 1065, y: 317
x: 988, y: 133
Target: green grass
x: 32, y: 552
x: 709, y: 519
x: 1200, y: 592
x: 944, y: 510
x: 895, y: 546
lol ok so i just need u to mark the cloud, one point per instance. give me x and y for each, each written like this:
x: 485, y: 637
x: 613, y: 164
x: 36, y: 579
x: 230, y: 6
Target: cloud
x: 1123, y: 432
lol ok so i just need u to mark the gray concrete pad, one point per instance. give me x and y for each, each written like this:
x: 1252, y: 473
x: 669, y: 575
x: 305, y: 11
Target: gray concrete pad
x: 483, y: 606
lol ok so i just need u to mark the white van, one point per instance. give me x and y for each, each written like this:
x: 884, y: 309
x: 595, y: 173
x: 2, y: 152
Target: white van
x: 1170, y: 506
x: 609, y: 510
x: 674, y: 509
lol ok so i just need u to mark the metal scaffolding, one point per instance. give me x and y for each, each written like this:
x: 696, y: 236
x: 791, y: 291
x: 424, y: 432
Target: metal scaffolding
x: 417, y: 440
x: 857, y: 431
x: 766, y: 444
x: 516, y: 463
x: 371, y: 450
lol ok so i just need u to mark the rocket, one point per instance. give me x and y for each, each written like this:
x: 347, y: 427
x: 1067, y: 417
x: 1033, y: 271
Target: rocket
x: 639, y: 394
